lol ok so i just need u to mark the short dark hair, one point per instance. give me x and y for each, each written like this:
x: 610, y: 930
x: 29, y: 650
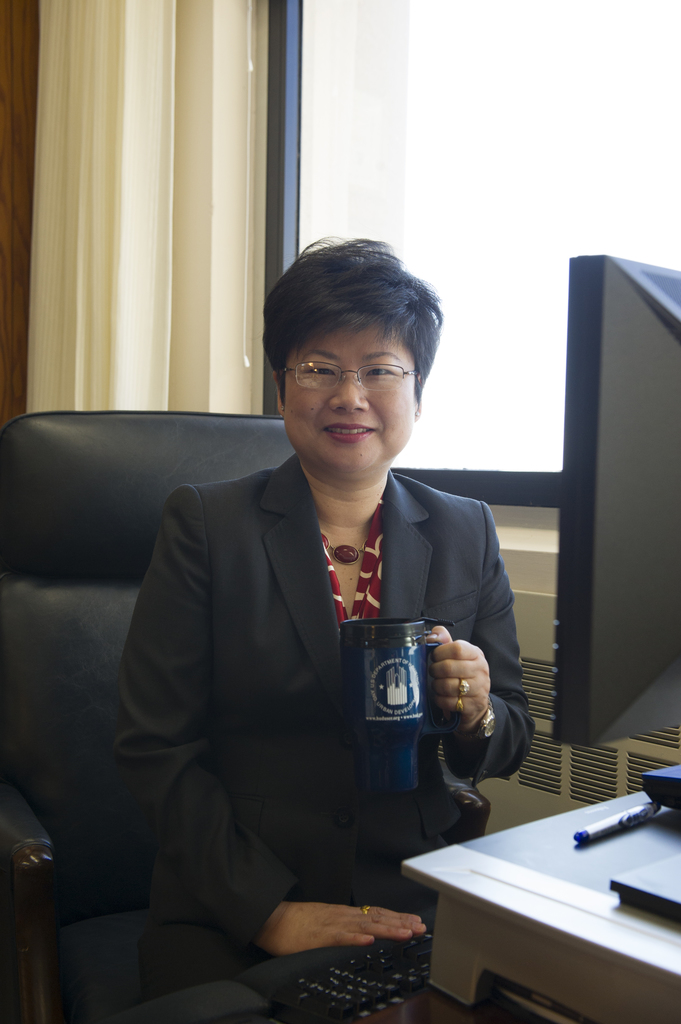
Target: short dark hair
x: 351, y: 285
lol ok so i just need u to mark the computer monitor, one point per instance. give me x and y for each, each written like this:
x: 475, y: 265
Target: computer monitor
x: 618, y: 628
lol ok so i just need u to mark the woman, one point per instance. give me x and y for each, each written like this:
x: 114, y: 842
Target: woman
x: 231, y: 734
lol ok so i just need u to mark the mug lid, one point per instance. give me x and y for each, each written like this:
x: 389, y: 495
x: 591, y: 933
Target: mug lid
x: 384, y: 629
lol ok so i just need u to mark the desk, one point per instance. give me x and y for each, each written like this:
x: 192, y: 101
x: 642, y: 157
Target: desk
x: 528, y: 905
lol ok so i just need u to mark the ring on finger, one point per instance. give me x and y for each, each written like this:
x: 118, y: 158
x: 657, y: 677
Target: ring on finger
x: 365, y: 909
x: 464, y: 688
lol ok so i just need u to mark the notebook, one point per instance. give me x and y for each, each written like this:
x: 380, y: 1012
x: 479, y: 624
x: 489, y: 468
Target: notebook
x: 656, y: 887
x: 664, y: 785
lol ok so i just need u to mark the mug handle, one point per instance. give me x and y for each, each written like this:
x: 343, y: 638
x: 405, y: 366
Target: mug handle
x: 435, y: 721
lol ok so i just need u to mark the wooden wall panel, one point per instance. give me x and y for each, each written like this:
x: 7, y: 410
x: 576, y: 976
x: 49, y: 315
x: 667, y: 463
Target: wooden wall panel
x: 6, y: 366
x: 18, y: 100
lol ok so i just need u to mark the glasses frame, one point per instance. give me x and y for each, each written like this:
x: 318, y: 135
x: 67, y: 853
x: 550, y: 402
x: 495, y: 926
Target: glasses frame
x: 342, y: 373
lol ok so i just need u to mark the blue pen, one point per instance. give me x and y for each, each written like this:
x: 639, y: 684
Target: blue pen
x: 617, y: 822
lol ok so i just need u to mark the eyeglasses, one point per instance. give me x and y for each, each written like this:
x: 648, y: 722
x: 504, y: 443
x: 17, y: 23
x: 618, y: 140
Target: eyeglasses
x: 375, y: 377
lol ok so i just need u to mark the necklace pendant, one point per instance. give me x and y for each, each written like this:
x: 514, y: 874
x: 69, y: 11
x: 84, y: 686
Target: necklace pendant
x: 346, y: 554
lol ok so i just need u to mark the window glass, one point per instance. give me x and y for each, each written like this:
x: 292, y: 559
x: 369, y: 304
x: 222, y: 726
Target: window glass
x: 489, y: 143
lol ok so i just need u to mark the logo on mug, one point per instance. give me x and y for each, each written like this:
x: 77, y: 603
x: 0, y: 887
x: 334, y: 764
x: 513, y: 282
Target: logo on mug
x: 395, y: 690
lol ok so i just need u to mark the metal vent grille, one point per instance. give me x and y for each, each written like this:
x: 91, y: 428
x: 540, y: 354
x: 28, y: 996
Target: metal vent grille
x: 593, y: 774
x: 540, y: 687
x: 638, y: 763
x: 542, y: 768
x: 662, y: 737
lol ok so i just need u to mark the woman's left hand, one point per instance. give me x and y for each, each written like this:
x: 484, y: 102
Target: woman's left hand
x: 452, y: 662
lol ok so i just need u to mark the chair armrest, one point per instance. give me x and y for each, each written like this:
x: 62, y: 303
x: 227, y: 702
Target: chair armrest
x: 216, y: 1001
x: 19, y: 826
x: 28, y: 928
x: 474, y: 807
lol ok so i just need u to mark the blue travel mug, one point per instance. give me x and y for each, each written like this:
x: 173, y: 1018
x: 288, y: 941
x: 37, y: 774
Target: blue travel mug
x: 384, y: 663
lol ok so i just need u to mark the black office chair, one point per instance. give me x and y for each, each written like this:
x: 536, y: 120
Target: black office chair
x: 80, y: 502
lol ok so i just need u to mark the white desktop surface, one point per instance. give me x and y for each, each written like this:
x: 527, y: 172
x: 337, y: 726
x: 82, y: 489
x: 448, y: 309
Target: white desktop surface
x: 567, y: 940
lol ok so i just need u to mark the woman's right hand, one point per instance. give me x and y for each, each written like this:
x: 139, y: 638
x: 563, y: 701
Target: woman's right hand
x: 294, y: 927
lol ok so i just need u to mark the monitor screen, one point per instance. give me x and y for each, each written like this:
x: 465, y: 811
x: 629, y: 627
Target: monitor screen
x: 618, y: 628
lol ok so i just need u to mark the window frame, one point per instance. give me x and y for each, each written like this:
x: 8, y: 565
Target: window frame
x: 284, y: 64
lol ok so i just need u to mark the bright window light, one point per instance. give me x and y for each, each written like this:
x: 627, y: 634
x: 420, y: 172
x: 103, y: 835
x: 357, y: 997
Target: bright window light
x: 489, y: 143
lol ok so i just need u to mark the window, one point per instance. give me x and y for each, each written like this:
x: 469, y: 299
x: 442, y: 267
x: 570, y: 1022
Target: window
x: 489, y: 143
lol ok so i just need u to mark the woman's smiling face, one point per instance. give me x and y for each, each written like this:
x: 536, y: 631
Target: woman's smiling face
x: 349, y: 434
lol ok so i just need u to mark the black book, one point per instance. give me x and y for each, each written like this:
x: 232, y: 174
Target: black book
x: 664, y: 785
x: 656, y: 887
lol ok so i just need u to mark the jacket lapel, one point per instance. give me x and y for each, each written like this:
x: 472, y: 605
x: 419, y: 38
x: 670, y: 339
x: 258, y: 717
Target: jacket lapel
x: 406, y: 554
x: 297, y: 559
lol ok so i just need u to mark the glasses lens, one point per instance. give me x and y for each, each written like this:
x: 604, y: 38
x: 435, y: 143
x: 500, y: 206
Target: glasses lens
x: 317, y: 375
x: 381, y: 377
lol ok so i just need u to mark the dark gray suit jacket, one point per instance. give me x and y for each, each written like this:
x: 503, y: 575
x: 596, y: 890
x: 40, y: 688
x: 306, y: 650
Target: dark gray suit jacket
x: 231, y: 733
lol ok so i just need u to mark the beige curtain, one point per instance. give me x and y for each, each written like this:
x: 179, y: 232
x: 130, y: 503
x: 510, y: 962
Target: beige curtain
x: 102, y: 236
x: 219, y: 204
x: 149, y: 205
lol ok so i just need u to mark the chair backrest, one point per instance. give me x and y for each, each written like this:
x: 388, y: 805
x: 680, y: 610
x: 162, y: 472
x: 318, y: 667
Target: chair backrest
x: 81, y: 496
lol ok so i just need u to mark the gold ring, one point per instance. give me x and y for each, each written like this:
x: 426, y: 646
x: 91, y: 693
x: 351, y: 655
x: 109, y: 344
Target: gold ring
x: 365, y: 909
x: 464, y: 687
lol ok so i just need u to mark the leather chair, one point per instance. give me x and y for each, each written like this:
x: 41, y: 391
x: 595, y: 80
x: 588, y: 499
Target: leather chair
x: 81, y: 496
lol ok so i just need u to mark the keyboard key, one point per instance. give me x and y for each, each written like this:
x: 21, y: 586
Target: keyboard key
x: 356, y: 987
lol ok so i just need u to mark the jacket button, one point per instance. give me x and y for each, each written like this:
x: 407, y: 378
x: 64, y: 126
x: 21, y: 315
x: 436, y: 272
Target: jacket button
x: 344, y: 818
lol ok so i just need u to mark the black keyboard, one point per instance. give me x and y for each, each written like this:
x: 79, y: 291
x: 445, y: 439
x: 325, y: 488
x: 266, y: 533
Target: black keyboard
x: 356, y: 987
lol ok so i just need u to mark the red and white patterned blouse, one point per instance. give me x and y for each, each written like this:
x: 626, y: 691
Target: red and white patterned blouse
x: 367, y: 603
